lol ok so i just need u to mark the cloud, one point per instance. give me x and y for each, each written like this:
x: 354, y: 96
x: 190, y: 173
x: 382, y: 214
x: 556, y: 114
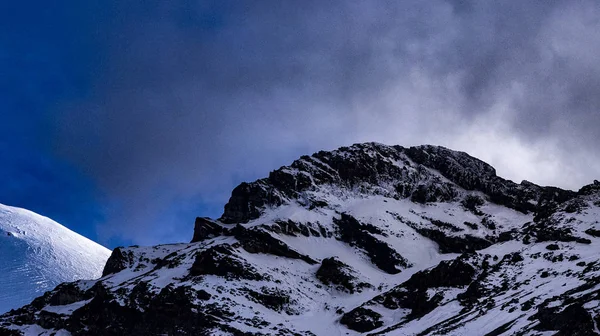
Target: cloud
x: 194, y: 98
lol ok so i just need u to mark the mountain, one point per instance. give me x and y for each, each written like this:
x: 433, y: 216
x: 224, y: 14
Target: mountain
x: 368, y: 239
x: 36, y: 254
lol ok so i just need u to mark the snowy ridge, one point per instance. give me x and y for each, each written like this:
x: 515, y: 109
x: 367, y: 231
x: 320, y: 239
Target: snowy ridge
x: 368, y: 239
x: 36, y: 254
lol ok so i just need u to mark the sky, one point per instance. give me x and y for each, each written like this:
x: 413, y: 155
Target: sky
x: 124, y: 120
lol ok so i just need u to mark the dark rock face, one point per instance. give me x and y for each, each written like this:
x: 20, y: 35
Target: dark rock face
x: 593, y: 232
x: 362, y: 319
x: 292, y: 228
x: 118, y: 261
x: 573, y: 320
x: 172, y: 311
x: 360, y: 235
x: 575, y: 206
x: 454, y: 244
x: 67, y: 293
x: 221, y: 261
x: 170, y: 261
x: 372, y: 164
x: 257, y: 241
x: 453, y: 273
x: 336, y: 273
x: 63, y: 294
x: 418, y: 301
x: 467, y: 171
x: 204, y: 228
x: 8, y: 332
x: 446, y: 237
x: 413, y: 293
x: 360, y: 166
x: 474, y: 174
x: 472, y: 203
x: 273, y: 299
x: 501, y: 329
x: 247, y: 200
x: 426, y: 193
x: 550, y: 200
x: 547, y: 230
x: 590, y: 189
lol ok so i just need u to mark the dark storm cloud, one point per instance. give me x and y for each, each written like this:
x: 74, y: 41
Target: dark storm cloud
x: 195, y: 97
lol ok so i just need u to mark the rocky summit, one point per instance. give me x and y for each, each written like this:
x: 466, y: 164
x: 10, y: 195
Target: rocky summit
x: 364, y: 240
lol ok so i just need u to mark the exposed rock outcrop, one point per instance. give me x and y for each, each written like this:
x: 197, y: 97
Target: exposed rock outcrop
x: 119, y: 260
x: 362, y: 236
x: 205, y: 228
x: 333, y: 272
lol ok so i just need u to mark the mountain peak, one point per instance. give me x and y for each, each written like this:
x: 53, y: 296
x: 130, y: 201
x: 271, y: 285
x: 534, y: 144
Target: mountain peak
x: 424, y: 173
x: 370, y: 238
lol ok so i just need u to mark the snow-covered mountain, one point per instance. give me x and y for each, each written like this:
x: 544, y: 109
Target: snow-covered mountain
x: 36, y: 254
x: 368, y: 239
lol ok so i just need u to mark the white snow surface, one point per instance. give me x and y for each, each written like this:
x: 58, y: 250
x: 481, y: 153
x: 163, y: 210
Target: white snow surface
x: 36, y: 254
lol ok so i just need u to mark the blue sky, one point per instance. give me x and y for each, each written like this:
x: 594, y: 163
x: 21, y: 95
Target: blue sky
x: 47, y: 57
x: 125, y: 120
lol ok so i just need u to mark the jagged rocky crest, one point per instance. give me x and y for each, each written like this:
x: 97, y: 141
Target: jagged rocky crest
x: 375, y: 168
x: 373, y: 239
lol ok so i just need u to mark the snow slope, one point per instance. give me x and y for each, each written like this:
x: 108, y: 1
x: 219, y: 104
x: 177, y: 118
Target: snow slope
x: 36, y: 254
x: 368, y: 239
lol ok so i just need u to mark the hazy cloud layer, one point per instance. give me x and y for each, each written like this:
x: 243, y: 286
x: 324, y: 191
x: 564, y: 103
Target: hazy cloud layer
x: 194, y: 98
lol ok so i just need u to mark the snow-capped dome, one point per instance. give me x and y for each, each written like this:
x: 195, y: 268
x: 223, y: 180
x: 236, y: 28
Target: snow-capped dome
x: 36, y: 254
